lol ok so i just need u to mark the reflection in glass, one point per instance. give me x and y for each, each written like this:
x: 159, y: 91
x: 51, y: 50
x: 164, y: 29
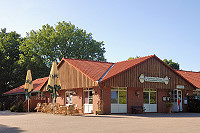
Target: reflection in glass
x: 146, y: 97
x: 122, y: 97
x: 114, y: 97
x: 152, y: 97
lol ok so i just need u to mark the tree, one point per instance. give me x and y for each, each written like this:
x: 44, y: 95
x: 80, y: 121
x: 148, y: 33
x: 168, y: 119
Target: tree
x: 9, y: 54
x: 130, y: 58
x: 65, y: 40
x: 172, y: 64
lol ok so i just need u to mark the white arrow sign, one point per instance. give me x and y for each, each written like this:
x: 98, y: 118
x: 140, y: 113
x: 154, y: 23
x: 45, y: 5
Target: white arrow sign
x: 143, y: 78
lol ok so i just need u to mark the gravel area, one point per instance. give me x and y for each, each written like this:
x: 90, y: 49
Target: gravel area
x: 140, y: 123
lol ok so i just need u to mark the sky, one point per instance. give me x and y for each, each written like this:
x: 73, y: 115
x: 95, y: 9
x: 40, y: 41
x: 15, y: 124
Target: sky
x: 170, y: 29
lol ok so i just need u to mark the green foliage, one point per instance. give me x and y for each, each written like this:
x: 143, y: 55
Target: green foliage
x: 13, y: 108
x: 40, y: 48
x: 172, y: 64
x: 169, y: 104
x: 65, y: 40
x: 18, y: 107
x: 9, y: 54
x: 130, y: 58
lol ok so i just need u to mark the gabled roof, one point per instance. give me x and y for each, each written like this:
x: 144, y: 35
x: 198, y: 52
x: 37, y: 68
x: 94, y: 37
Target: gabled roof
x: 37, y: 84
x: 122, y: 66
x: 193, y: 77
x: 93, y: 69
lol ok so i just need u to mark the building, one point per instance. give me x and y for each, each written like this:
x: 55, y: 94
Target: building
x: 145, y: 81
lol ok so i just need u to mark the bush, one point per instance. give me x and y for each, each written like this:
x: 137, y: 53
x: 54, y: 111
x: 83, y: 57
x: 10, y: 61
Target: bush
x: 13, y: 108
x: 18, y: 107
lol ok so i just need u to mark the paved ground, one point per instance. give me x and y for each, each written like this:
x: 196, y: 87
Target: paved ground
x: 48, y: 123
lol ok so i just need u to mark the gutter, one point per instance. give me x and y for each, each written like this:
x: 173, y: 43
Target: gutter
x: 102, y: 78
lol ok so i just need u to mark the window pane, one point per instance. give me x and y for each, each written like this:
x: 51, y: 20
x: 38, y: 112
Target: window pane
x: 152, y: 97
x: 146, y: 90
x: 146, y: 97
x: 86, y: 97
x: 122, y: 97
x: 122, y: 89
x: 114, y: 97
x: 90, y: 97
x: 114, y: 89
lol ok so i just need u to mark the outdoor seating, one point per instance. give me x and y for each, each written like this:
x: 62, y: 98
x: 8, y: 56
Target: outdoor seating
x: 44, y: 107
x: 39, y: 107
x: 72, y: 109
x: 57, y: 109
x: 137, y: 109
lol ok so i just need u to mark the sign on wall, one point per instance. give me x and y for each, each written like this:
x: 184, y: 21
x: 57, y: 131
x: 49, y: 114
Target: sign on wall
x: 143, y: 78
x: 180, y: 86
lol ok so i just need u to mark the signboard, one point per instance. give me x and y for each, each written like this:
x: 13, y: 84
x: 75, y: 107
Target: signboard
x: 180, y: 86
x: 143, y: 78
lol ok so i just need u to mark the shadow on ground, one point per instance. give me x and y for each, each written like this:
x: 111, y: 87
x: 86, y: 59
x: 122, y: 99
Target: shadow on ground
x: 7, y: 129
x: 8, y: 113
x: 150, y: 115
x: 164, y: 115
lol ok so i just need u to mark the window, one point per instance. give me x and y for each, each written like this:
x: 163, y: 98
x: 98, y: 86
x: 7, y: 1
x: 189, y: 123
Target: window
x: 119, y: 96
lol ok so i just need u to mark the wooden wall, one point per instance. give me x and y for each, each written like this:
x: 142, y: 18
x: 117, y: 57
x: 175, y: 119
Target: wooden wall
x: 71, y: 78
x: 151, y: 68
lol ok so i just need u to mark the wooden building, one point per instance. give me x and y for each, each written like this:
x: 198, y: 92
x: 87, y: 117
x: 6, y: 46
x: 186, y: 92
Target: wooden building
x: 117, y: 87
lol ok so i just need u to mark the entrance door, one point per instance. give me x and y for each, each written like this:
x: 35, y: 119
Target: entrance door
x: 119, y: 100
x: 150, y: 100
x: 177, y: 100
x: 68, y: 98
x: 88, y: 100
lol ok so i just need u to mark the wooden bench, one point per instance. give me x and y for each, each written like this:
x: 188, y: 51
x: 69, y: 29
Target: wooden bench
x: 137, y: 109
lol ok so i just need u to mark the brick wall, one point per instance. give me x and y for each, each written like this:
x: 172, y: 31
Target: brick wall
x: 96, y: 98
x: 132, y: 99
x: 161, y: 105
x: 61, y: 98
x: 78, y: 98
x: 107, y: 100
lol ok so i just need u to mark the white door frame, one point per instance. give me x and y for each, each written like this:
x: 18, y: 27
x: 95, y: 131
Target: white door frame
x: 148, y: 106
x: 175, y: 96
x: 88, y: 108
x: 119, y: 108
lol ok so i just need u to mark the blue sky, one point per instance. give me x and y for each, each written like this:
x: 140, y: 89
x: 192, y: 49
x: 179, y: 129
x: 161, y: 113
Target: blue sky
x: 168, y: 28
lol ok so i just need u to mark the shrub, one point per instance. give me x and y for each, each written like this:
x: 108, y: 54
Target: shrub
x: 20, y: 107
x: 13, y: 108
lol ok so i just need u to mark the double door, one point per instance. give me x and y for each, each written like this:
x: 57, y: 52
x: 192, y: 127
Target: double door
x: 150, y: 100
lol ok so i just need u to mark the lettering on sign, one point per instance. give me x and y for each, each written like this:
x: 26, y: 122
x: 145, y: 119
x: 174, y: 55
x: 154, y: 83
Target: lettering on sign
x: 143, y: 78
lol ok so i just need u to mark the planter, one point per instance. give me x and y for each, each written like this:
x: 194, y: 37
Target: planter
x: 98, y: 112
x: 169, y: 107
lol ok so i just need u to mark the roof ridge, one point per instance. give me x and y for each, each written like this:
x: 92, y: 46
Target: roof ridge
x: 136, y: 58
x: 88, y: 60
x: 188, y: 71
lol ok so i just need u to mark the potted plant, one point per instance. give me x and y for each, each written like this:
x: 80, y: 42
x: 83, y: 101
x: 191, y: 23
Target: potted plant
x: 169, y: 106
x: 98, y: 112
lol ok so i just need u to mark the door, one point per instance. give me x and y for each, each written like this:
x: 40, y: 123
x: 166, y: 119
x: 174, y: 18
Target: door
x: 150, y: 100
x: 119, y: 100
x: 88, y: 100
x: 177, y: 100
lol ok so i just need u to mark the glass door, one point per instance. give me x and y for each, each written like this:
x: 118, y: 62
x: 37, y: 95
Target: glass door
x: 150, y: 100
x: 119, y: 100
x: 88, y: 100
